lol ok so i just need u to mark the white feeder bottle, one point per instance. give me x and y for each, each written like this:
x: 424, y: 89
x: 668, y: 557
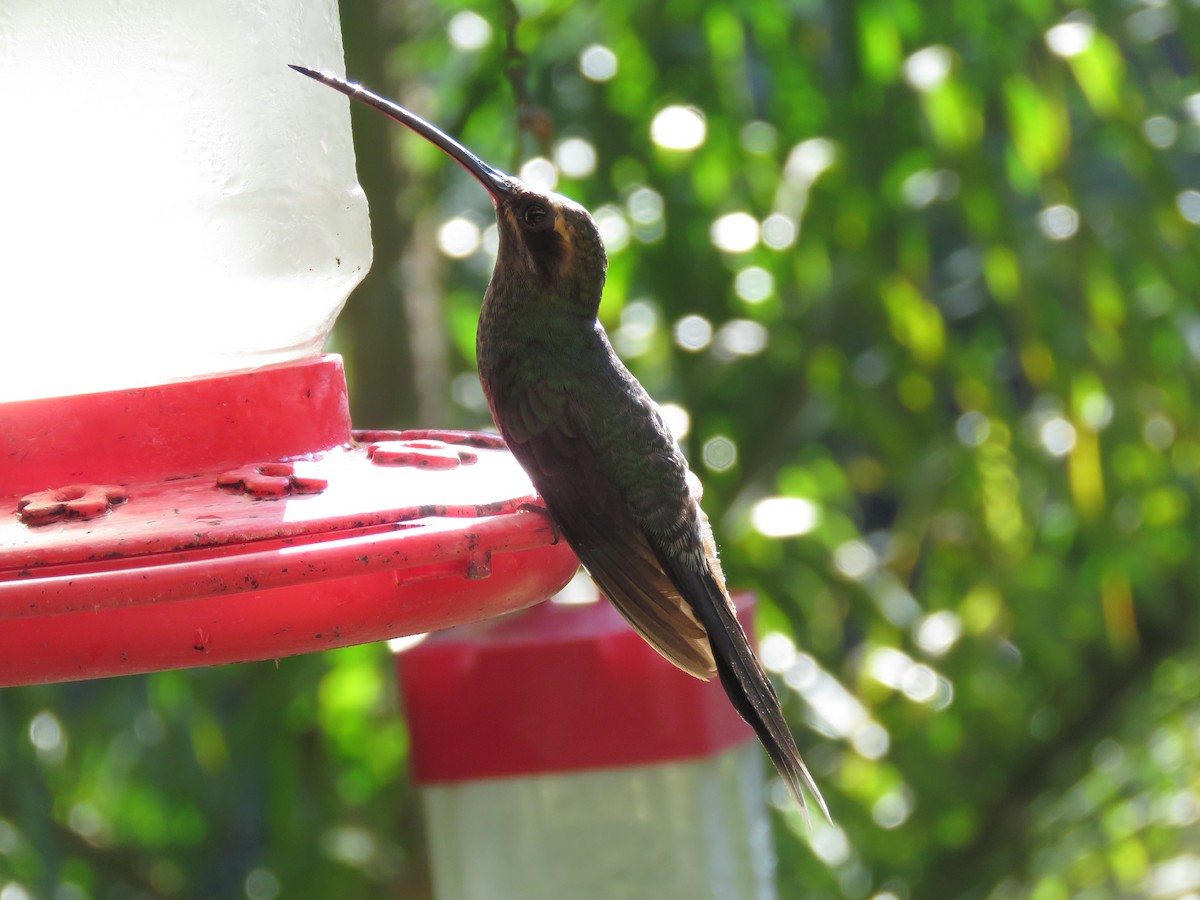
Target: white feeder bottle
x: 559, y: 757
x: 177, y: 201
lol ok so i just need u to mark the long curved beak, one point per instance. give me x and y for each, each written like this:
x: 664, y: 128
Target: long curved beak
x: 497, y: 183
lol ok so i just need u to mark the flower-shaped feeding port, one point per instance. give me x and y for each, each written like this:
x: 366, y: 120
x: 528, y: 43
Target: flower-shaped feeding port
x: 75, y: 501
x: 269, y: 481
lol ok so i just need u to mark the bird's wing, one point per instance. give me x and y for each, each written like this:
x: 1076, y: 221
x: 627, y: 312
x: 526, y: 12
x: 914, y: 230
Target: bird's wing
x: 643, y: 538
x: 543, y: 429
x: 684, y: 547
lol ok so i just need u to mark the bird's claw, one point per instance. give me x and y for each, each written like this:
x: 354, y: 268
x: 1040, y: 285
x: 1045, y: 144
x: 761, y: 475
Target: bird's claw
x: 538, y: 508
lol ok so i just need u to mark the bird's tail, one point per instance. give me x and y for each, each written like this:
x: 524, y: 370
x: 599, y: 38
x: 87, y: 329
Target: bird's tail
x: 747, y: 685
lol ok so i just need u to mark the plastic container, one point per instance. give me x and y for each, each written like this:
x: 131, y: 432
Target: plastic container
x: 177, y: 202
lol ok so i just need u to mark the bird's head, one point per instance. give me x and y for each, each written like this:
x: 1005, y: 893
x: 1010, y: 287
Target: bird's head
x: 549, y: 244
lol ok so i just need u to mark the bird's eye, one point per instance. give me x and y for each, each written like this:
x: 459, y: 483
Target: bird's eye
x: 536, y: 215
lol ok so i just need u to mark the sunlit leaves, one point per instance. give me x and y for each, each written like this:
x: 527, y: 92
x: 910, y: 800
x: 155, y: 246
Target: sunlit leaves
x: 1100, y: 69
x: 1001, y: 269
x: 916, y: 322
x: 1114, y: 823
x: 952, y: 107
x: 879, y: 41
x: 1038, y: 124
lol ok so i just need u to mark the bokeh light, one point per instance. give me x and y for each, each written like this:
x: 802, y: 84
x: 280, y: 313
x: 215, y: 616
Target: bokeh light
x: 678, y: 128
x: 469, y: 31
x: 754, y: 284
x: 575, y: 157
x: 740, y: 337
x: 928, y: 68
x: 693, y: 332
x: 735, y: 232
x: 972, y: 428
x: 645, y: 206
x: 1057, y: 436
x: 937, y: 632
x: 539, y: 173
x: 459, y: 237
x: 614, y: 228
x: 677, y: 418
x: 925, y: 186
x: 262, y: 884
x: 46, y: 733
x: 1160, y: 131
x: 719, y: 453
x: 1058, y: 222
x: 784, y: 516
x: 809, y: 159
x: 639, y: 325
x: 1071, y: 37
x: 779, y: 231
x: 1188, y: 204
x: 598, y: 63
x: 758, y: 137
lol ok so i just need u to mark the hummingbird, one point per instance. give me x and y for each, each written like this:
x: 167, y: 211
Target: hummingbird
x: 594, y: 444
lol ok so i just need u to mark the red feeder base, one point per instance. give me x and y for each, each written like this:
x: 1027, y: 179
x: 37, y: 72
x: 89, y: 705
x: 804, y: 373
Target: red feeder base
x: 236, y: 518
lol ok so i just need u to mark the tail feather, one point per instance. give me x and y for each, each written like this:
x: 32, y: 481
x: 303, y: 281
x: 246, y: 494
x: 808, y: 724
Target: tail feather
x: 746, y: 684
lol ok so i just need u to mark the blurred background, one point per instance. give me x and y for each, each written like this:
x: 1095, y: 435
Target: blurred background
x: 917, y: 287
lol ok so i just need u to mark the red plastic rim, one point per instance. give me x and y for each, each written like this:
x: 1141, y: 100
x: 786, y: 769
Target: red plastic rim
x: 234, y: 518
x: 558, y: 688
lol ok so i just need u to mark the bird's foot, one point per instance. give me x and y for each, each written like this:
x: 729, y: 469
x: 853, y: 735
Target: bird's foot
x: 545, y: 514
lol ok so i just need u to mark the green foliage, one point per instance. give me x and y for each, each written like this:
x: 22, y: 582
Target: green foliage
x: 254, y: 780
x: 940, y: 393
